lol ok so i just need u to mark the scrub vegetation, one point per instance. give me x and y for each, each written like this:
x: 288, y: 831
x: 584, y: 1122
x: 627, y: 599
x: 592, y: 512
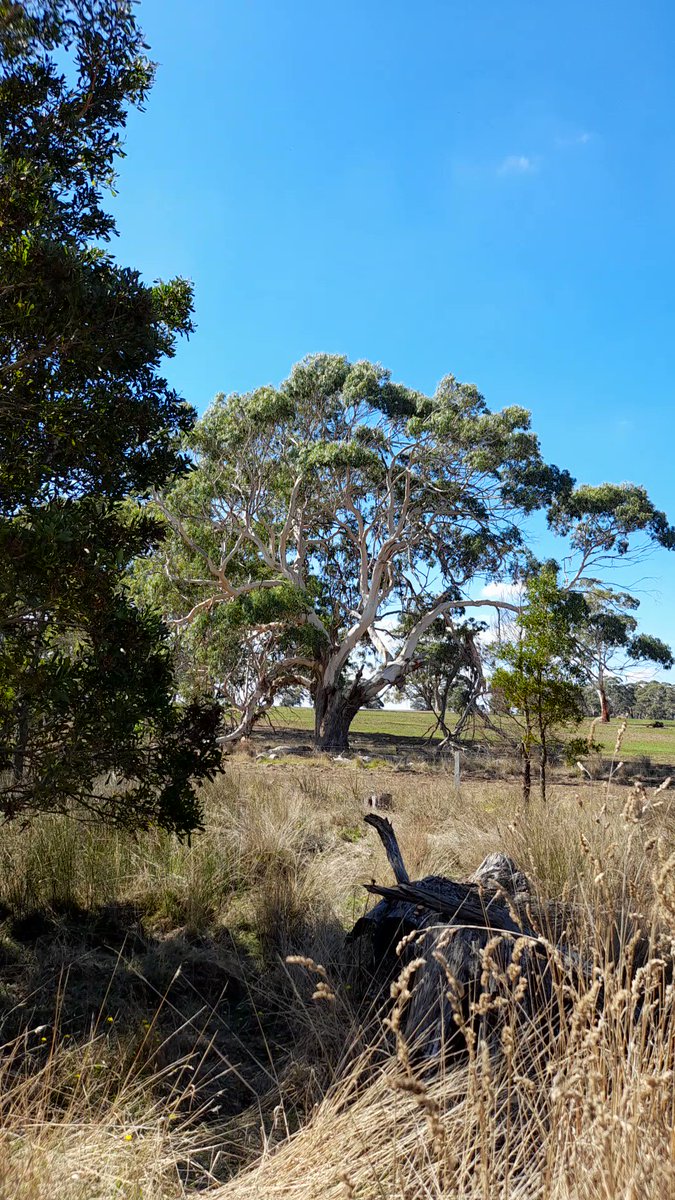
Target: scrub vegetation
x: 183, y: 1011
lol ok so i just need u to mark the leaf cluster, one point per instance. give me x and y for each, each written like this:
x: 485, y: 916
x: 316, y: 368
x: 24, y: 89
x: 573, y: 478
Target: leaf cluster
x: 605, y: 517
x: 87, y: 425
x: 541, y: 680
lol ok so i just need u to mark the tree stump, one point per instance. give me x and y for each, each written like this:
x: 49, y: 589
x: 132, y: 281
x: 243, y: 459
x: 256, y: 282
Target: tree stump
x: 474, y: 947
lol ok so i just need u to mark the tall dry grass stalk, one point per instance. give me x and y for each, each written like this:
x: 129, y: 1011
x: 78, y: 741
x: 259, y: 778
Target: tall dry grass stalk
x: 330, y: 1098
x: 581, y: 1109
x: 578, y: 1109
x: 80, y: 1123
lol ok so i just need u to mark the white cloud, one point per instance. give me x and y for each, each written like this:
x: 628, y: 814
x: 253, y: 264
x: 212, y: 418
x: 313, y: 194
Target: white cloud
x: 390, y: 620
x: 575, y: 139
x: 501, y: 591
x: 516, y: 164
x: 497, y: 622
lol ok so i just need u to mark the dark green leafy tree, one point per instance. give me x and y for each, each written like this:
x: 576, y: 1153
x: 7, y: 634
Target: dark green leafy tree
x: 323, y: 510
x: 87, y: 425
x: 539, y: 684
x: 654, y: 701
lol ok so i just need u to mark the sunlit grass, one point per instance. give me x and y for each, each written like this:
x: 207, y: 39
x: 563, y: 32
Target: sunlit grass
x: 640, y: 740
x: 156, y: 1044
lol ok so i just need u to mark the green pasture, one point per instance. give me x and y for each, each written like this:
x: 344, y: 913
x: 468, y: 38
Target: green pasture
x: 395, y: 722
x: 639, y: 739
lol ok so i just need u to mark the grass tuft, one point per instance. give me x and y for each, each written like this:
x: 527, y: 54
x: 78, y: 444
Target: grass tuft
x: 185, y: 1019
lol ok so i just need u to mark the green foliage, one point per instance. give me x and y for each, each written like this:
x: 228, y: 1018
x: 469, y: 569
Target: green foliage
x: 319, y: 507
x: 579, y: 747
x: 87, y: 425
x: 545, y: 641
x: 655, y: 701
x: 540, y: 684
x: 608, y: 642
x: 603, y: 519
x: 644, y: 647
x: 352, y: 833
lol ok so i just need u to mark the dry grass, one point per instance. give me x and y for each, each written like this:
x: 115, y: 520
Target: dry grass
x: 72, y: 1129
x: 181, y: 1053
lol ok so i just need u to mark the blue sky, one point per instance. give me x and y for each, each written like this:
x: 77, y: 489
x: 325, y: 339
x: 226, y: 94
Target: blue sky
x: 483, y: 189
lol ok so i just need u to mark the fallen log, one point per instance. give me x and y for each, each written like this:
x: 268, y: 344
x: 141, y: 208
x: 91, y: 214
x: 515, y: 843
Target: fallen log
x: 468, y: 950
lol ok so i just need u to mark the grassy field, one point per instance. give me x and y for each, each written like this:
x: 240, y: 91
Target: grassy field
x: 157, y: 1044
x: 394, y: 722
x: 640, y: 738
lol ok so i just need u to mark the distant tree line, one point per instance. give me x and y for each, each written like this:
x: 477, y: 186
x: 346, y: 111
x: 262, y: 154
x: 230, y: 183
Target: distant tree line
x: 653, y: 701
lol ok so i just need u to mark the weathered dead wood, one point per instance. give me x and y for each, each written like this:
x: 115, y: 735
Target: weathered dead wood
x: 392, y: 849
x: 482, y: 900
x: 484, y: 959
x: 474, y: 936
x: 499, y: 872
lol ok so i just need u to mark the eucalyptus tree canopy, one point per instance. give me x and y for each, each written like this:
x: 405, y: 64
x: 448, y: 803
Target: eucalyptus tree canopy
x: 654, y: 701
x: 87, y: 424
x: 608, y: 641
x: 606, y: 524
x: 321, y: 511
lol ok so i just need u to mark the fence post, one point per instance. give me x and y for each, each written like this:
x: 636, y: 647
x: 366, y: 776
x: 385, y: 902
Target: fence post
x: 456, y: 770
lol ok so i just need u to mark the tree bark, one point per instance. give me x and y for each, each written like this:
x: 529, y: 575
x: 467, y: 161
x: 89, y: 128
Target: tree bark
x: 23, y: 730
x: 542, y: 766
x: 526, y: 751
x: 334, y: 712
x: 543, y: 749
x: 527, y: 773
x: 605, y: 711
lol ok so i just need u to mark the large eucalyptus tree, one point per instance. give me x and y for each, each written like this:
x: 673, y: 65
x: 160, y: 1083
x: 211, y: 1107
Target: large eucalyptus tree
x: 321, y: 511
x: 328, y: 512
